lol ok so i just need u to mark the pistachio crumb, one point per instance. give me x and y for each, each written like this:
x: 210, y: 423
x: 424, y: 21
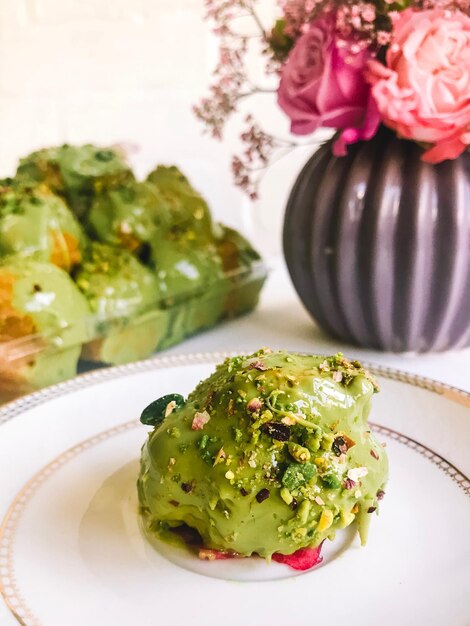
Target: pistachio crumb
x: 200, y: 420
x: 303, y: 511
x: 170, y: 408
x: 254, y: 405
x: 356, y: 473
x: 299, y: 453
x: 286, y: 495
x: 326, y: 520
x: 219, y: 457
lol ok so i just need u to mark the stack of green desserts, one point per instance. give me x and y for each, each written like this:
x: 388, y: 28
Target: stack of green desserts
x: 98, y: 266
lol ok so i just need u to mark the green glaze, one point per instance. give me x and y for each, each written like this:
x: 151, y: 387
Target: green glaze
x: 76, y: 172
x: 39, y: 298
x: 36, y: 222
x: 185, y: 214
x: 121, y: 292
x: 115, y: 283
x: 184, y: 270
x: 42, y: 166
x: 192, y: 284
x: 126, y: 216
x: 291, y: 424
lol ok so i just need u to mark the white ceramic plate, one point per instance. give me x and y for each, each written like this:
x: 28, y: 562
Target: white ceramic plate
x: 72, y: 553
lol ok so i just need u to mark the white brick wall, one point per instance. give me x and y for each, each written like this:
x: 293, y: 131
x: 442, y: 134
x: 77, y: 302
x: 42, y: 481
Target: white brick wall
x: 125, y: 70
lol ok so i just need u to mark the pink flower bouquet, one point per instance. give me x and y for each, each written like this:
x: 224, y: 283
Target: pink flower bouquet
x: 349, y: 65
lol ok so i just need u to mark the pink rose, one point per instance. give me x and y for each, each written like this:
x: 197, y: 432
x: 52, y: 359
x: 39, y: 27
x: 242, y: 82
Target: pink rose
x: 320, y: 87
x: 424, y: 91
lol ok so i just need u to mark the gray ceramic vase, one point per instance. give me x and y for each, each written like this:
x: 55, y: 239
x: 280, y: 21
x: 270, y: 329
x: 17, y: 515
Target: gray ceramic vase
x: 378, y: 245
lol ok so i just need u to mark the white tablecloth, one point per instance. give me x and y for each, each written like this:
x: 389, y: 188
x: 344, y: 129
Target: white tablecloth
x: 280, y: 321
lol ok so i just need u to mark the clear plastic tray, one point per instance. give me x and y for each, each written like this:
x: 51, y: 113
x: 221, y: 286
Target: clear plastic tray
x: 35, y: 361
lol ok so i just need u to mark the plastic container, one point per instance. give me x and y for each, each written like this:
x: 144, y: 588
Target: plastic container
x: 35, y: 361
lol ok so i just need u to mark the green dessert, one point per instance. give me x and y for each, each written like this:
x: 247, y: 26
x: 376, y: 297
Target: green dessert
x: 153, y: 266
x: 35, y: 222
x: 192, y: 285
x: 75, y: 172
x: 122, y: 294
x: 235, y: 251
x: 270, y: 455
x: 42, y: 166
x: 185, y: 213
x: 127, y: 216
x: 184, y: 270
x: 39, y: 304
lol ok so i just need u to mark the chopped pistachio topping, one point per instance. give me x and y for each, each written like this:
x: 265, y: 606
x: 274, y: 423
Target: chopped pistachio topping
x: 278, y: 447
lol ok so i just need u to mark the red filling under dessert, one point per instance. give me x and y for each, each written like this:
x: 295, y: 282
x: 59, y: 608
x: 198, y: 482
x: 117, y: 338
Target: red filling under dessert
x: 301, y: 560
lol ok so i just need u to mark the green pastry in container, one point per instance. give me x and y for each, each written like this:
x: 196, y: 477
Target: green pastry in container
x: 42, y: 166
x: 271, y: 456
x: 185, y: 215
x: 127, y: 216
x: 235, y: 250
x: 76, y: 172
x: 242, y: 264
x: 123, y: 296
x: 192, y: 285
x: 44, y: 311
x: 36, y: 222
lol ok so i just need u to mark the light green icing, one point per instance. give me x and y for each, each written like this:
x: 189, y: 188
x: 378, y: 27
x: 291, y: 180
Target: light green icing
x: 120, y: 290
x: 126, y: 216
x: 42, y: 166
x: 185, y: 214
x: 233, y: 454
x: 193, y: 287
x: 48, y: 296
x: 115, y: 283
x: 36, y: 222
x: 76, y: 172
x: 184, y: 270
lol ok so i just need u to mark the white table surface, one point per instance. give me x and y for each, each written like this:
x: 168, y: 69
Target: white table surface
x: 280, y: 321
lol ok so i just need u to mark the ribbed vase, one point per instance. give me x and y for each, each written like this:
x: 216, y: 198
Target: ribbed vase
x: 378, y: 245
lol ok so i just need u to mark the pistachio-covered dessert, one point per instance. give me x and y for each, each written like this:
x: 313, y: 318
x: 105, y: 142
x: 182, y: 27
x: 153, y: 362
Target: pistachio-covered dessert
x: 40, y: 303
x: 127, y: 216
x: 184, y: 269
x: 192, y: 285
x: 185, y: 214
x: 144, y: 258
x: 235, y: 251
x: 76, y: 172
x: 35, y: 222
x: 119, y: 289
x: 270, y: 455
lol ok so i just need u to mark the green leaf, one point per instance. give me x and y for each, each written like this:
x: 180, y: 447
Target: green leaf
x: 154, y: 413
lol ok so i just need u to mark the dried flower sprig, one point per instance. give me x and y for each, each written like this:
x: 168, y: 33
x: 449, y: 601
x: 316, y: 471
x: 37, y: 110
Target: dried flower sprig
x: 232, y: 84
x: 260, y: 148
